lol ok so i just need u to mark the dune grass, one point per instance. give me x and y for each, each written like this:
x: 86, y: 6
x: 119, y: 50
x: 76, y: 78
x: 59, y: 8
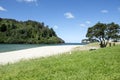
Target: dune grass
x: 101, y: 64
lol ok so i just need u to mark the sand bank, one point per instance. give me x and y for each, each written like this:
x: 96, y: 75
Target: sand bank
x: 15, y: 56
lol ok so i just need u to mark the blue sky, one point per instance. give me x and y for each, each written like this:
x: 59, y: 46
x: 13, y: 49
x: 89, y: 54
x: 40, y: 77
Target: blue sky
x: 69, y: 18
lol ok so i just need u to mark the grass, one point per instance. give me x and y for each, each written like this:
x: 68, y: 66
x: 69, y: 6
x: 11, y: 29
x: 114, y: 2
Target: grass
x: 96, y: 44
x: 101, y: 64
x: 88, y: 47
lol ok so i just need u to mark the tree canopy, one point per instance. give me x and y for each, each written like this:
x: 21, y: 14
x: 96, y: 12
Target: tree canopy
x: 104, y: 32
x: 13, y: 31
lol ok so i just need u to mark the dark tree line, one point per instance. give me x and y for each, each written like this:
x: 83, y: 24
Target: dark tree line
x: 104, y: 33
x: 32, y: 32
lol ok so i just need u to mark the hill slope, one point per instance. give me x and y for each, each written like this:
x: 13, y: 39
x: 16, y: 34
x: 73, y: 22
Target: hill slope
x: 12, y: 31
x: 102, y: 64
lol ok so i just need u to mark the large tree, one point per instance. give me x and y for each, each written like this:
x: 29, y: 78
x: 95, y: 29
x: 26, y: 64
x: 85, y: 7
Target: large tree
x: 103, y: 32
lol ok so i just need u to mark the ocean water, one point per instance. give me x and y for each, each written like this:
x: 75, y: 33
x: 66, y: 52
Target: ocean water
x: 14, y: 47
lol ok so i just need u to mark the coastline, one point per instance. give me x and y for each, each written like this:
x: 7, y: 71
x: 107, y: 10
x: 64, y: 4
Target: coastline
x: 16, y: 56
x: 16, y: 47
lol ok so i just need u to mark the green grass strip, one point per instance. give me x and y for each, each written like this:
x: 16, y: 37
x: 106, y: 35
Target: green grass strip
x: 101, y: 64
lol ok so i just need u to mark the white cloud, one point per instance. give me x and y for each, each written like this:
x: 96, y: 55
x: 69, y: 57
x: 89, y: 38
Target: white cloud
x: 104, y: 11
x: 82, y: 25
x: 87, y: 22
x: 2, y: 9
x: 55, y: 27
x: 69, y: 15
x: 28, y: 1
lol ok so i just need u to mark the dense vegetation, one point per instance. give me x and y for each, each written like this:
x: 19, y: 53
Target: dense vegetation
x: 12, y: 31
x: 102, y: 64
x: 104, y: 32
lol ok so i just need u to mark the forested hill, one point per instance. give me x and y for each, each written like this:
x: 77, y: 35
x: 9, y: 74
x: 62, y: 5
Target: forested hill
x: 31, y: 32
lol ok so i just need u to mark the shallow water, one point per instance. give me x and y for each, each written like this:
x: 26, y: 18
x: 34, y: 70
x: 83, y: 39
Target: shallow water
x: 13, y: 47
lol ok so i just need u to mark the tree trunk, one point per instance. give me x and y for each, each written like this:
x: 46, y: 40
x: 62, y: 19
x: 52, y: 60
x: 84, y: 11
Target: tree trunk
x: 114, y: 44
x: 103, y: 44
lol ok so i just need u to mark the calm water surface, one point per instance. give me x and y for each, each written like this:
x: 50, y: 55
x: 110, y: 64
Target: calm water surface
x: 14, y: 47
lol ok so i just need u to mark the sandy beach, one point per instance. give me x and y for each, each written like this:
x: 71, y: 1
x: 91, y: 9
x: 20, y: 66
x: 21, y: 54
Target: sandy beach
x: 15, y: 56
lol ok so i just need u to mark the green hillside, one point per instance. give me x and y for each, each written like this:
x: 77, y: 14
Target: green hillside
x: 101, y: 64
x: 13, y: 31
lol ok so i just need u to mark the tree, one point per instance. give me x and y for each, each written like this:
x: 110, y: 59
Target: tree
x: 3, y: 28
x: 103, y: 32
x: 113, y: 31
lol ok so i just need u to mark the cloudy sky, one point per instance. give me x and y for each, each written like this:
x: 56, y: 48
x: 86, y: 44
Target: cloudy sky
x: 69, y: 18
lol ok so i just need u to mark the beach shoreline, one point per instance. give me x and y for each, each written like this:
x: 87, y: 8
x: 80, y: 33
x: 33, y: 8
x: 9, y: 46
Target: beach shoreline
x: 32, y: 53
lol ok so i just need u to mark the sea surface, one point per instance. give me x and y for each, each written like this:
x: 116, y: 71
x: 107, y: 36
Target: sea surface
x: 14, y: 47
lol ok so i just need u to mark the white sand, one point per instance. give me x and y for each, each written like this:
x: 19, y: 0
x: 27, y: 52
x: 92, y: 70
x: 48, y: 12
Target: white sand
x: 15, y: 56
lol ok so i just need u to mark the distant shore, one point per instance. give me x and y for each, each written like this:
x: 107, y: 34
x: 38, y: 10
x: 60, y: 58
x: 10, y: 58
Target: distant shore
x: 15, y: 56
